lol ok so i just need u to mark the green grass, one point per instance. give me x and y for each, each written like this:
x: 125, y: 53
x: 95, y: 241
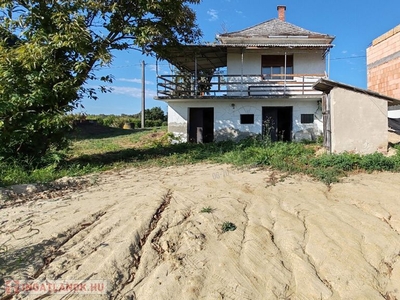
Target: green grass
x: 96, y: 148
x: 207, y: 209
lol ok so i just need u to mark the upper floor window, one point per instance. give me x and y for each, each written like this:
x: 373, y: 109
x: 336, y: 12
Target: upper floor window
x: 273, y: 66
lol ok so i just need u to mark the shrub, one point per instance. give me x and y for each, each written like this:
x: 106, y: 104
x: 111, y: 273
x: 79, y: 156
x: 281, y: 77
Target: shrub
x: 228, y: 226
x: 326, y: 175
x: 377, y: 162
x: 344, y: 161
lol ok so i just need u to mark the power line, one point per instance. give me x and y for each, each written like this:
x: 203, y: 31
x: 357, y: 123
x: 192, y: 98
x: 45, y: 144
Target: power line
x: 349, y: 57
x: 134, y: 65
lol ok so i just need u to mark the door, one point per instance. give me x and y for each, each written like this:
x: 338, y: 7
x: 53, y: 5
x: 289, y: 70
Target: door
x: 201, y: 125
x: 277, y: 122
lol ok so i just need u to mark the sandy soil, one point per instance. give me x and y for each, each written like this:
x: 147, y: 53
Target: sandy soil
x: 142, y: 231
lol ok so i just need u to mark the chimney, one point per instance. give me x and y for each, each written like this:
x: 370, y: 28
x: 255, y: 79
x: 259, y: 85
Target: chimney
x: 281, y: 12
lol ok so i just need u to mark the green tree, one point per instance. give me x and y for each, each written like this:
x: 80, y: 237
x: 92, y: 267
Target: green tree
x: 155, y: 113
x: 184, y: 82
x: 50, y: 49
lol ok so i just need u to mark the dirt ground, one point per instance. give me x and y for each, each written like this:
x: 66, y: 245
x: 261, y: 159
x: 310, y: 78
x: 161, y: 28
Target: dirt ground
x: 143, y: 232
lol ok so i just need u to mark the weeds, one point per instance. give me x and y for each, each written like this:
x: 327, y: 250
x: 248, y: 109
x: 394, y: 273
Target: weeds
x: 228, y: 226
x: 95, y: 148
x: 207, y: 209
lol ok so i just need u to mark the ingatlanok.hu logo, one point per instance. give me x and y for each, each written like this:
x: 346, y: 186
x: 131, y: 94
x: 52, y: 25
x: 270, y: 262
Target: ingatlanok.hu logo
x: 37, y: 287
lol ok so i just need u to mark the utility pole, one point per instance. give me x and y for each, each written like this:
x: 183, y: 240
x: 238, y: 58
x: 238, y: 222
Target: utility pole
x: 143, y: 93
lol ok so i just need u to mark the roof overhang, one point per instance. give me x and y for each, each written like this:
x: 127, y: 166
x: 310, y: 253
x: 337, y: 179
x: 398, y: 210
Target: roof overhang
x: 326, y: 85
x: 277, y: 40
x: 192, y: 57
x: 213, y: 56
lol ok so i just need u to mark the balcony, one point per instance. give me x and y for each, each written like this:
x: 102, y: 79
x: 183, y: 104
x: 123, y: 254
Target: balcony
x: 237, y: 86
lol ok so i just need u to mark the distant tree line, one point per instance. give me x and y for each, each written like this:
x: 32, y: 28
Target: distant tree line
x: 154, y: 117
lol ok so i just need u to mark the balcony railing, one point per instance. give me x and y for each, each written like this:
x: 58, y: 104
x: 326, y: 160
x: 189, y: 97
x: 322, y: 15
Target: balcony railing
x: 178, y: 86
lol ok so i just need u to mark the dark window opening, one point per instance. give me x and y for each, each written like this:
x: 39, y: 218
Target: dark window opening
x: 307, y: 118
x: 273, y: 66
x: 247, y: 119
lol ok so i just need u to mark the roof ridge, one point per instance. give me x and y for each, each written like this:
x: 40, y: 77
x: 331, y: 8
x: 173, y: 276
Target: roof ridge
x: 272, y: 27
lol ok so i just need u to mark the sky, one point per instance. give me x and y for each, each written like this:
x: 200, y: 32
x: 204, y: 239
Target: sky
x: 354, y: 23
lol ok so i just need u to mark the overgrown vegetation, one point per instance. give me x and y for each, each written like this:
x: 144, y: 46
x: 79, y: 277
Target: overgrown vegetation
x: 97, y: 148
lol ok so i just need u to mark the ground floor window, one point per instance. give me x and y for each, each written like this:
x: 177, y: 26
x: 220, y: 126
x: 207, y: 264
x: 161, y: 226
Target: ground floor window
x: 247, y: 119
x: 307, y: 118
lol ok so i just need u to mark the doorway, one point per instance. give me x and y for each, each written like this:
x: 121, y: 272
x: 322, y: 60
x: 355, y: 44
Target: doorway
x: 201, y: 125
x: 277, y: 122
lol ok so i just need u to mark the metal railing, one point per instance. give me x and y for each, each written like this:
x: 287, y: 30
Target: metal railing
x: 178, y: 86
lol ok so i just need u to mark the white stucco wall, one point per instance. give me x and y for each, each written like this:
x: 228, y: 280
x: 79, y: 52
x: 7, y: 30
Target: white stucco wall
x: 309, y: 63
x: 359, y: 122
x: 304, y: 62
x: 227, y: 118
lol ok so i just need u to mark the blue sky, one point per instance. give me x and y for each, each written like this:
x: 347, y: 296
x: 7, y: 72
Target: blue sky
x: 354, y: 23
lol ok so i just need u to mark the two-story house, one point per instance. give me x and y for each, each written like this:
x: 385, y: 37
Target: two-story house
x: 254, y: 81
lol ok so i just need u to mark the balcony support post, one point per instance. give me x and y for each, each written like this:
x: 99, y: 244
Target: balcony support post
x: 241, y: 72
x: 195, y: 76
x: 284, y: 88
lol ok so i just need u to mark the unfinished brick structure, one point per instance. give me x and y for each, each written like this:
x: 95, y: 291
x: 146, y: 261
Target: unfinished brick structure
x: 383, y: 63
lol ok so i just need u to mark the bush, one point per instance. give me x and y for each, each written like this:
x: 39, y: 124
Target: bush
x: 326, y: 175
x: 345, y: 161
x: 377, y: 162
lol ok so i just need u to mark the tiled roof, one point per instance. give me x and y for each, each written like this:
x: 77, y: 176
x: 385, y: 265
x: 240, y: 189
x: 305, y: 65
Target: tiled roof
x: 274, y: 27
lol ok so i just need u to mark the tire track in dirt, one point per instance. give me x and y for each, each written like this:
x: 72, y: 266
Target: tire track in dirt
x: 56, y: 249
x: 136, y: 250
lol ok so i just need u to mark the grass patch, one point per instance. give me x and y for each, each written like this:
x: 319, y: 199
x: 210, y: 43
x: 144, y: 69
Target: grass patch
x: 207, y: 209
x: 96, y: 148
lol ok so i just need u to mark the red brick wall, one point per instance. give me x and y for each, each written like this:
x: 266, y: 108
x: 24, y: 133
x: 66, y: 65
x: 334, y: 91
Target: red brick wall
x: 383, y: 70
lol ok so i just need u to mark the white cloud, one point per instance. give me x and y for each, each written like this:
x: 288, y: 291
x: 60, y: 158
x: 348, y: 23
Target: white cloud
x: 134, y: 80
x: 344, y: 51
x: 213, y: 14
x: 131, y: 91
x: 153, y: 67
